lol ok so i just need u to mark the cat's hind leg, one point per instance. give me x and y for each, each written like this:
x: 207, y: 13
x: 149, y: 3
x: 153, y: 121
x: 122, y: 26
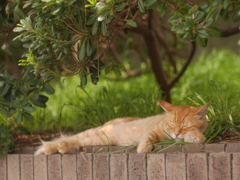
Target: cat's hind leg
x: 50, y: 147
x: 89, y: 133
x: 67, y: 144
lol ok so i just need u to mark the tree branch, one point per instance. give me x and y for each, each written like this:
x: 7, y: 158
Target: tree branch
x: 177, y: 77
x: 155, y: 58
x: 230, y: 31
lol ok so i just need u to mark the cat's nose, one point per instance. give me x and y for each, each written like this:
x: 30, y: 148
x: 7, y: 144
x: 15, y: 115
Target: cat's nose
x: 176, y: 134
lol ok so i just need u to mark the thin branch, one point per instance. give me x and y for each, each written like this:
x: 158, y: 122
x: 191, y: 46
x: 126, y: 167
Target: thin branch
x: 230, y: 31
x: 177, y: 77
x: 156, y: 63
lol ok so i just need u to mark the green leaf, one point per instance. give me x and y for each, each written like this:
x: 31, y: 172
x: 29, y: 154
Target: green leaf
x: 10, y: 112
x: 193, y: 37
x: 48, y: 89
x: 181, y: 31
x: 117, y: 71
x: 19, y: 117
x: 225, y: 4
x: 104, y: 28
x: 35, y: 96
x: 208, y: 22
x: 43, y: 99
x: 38, y: 103
x: 184, y: 9
x: 29, y: 109
x: 198, y: 15
x: 203, y: 33
x: 27, y: 4
x: 18, y: 29
x: 82, y: 49
x: 131, y: 23
x: 213, y: 31
x: 180, y: 2
x: 28, y: 116
x: 83, y: 78
x: 141, y: 6
x: 7, y: 8
x: 149, y: 3
x: 120, y: 7
x: 202, y: 41
x: 89, y: 47
x: 189, y: 23
x: 176, y: 27
x: 23, y: 130
x: 236, y: 16
x: 94, y: 75
x: 18, y: 13
x: 56, y: 11
x: 92, y: 19
x: 5, y: 89
x: 95, y: 28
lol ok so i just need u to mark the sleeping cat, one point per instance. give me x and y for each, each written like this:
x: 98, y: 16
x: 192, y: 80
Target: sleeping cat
x: 182, y: 123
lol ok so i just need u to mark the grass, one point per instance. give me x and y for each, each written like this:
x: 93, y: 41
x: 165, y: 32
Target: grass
x: 213, y: 77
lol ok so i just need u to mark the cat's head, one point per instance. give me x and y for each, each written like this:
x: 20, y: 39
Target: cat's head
x: 182, y: 119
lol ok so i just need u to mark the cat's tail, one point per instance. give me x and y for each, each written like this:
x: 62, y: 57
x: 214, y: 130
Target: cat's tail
x: 40, y: 148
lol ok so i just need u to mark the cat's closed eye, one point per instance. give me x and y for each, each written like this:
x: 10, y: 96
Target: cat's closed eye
x: 171, y: 124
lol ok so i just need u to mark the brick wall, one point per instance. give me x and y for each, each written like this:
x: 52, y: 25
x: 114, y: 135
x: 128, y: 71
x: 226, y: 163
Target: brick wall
x: 188, y: 162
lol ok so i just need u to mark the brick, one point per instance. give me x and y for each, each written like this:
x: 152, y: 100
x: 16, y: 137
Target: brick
x: 84, y: 166
x: 100, y: 149
x: 157, y: 148
x: 131, y: 149
x: 219, y: 166
x: 69, y: 167
x: 137, y: 166
x: 156, y: 166
x: 27, y: 150
x: 54, y: 167
x: 3, y: 168
x: 117, y: 149
x: 236, y: 166
x: 40, y: 167
x: 175, y: 166
x: 101, y: 167
x: 72, y: 151
x: 233, y: 147
x: 197, y: 166
x: 172, y: 149
x: 17, y: 150
x: 13, y: 167
x: 26, y: 166
x: 87, y: 149
x: 118, y: 166
x: 217, y: 148
x: 192, y: 148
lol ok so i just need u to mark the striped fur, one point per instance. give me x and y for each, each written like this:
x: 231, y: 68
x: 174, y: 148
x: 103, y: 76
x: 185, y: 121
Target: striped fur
x: 183, y: 123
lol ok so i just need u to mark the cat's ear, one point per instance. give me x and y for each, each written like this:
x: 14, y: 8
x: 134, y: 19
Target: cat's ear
x: 165, y: 105
x: 203, y: 110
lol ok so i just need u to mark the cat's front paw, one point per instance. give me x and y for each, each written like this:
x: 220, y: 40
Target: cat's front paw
x: 195, y: 137
x: 64, y: 146
x: 144, y: 148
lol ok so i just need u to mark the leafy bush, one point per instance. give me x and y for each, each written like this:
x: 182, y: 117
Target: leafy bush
x: 17, y: 97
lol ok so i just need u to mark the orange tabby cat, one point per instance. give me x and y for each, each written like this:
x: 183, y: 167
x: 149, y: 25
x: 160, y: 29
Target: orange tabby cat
x: 183, y: 123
